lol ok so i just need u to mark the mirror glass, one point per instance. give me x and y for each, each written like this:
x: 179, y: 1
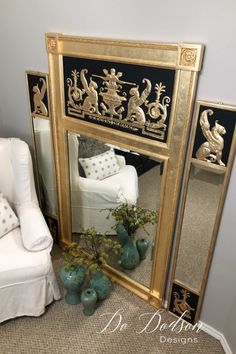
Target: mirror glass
x: 202, y: 201
x: 45, y: 165
x: 103, y: 178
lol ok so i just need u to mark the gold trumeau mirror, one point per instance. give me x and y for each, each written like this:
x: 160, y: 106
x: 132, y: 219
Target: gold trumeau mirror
x: 130, y: 102
x: 40, y: 118
x: 208, y: 169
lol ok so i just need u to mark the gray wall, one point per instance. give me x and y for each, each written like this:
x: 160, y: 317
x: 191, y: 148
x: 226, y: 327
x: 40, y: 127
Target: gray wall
x: 22, y: 27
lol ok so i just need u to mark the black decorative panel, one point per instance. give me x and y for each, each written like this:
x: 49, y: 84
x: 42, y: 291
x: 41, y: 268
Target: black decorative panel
x: 131, y: 98
x: 37, y: 85
x: 183, y: 303
x: 214, y: 135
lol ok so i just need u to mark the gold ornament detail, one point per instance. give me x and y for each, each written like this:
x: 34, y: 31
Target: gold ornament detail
x: 110, y: 93
x: 52, y: 44
x: 181, y: 305
x: 211, y: 150
x: 116, y: 107
x: 158, y: 110
x: 188, y: 56
x: 39, y: 106
x: 74, y: 92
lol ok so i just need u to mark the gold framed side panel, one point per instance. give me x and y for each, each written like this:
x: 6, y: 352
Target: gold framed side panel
x: 51, y: 218
x: 31, y: 117
x: 217, y: 222
x: 217, y: 169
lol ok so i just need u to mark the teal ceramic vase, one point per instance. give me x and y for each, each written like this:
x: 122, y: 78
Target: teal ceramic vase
x: 122, y: 234
x: 101, y: 284
x: 89, y: 299
x: 142, y: 247
x: 72, y: 280
x: 129, y: 255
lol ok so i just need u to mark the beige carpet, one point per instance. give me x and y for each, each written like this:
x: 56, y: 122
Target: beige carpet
x: 64, y: 329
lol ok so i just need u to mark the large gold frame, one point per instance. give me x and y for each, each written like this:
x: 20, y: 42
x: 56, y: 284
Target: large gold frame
x: 186, y: 60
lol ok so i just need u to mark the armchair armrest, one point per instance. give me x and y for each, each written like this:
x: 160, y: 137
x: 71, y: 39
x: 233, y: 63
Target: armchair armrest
x: 105, y: 189
x: 121, y: 160
x: 34, y: 230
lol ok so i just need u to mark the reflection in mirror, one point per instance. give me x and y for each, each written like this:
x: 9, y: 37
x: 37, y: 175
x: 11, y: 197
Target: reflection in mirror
x: 45, y: 165
x: 202, y: 201
x: 104, y: 176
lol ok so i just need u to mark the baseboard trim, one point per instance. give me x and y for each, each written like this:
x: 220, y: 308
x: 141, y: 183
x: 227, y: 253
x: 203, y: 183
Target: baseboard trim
x: 216, y: 334
x: 212, y: 332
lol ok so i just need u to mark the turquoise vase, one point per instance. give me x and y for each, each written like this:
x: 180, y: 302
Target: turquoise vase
x: 72, y: 280
x: 122, y: 234
x: 142, y: 247
x: 89, y: 299
x: 129, y: 255
x: 101, y: 284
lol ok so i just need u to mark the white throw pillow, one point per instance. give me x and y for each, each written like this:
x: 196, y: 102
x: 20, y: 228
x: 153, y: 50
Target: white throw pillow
x: 8, y: 219
x: 100, y: 166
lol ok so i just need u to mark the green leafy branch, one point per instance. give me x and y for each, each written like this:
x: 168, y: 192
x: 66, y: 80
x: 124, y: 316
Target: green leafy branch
x: 92, y: 250
x: 133, y: 217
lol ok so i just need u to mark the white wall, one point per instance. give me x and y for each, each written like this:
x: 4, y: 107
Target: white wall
x: 22, y: 27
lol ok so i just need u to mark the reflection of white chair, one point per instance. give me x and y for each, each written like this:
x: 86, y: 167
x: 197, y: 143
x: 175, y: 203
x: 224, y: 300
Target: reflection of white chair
x: 90, y: 196
x: 44, y: 152
x: 27, y: 280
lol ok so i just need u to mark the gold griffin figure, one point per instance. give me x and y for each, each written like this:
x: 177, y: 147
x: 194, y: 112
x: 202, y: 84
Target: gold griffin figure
x: 181, y: 305
x: 135, y: 112
x: 39, y: 106
x: 211, y: 150
x: 90, y: 103
x: 110, y: 93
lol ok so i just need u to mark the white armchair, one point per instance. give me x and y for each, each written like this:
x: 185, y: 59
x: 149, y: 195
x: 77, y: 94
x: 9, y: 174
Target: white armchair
x: 90, y: 196
x: 27, y: 280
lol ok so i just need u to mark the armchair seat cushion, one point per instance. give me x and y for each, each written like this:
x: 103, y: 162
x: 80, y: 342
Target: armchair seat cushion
x: 17, y: 265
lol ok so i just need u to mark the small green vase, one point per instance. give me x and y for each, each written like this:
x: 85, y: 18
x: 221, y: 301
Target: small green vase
x: 72, y: 280
x: 129, y: 255
x: 122, y: 234
x: 142, y: 247
x: 89, y: 299
x: 101, y: 284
